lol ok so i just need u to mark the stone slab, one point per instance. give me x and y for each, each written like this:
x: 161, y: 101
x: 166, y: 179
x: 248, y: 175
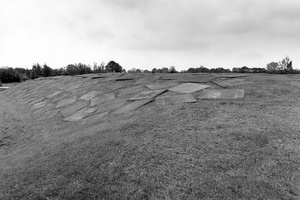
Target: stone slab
x: 94, y: 118
x: 40, y: 111
x: 188, y: 88
x: 222, y: 94
x: 174, y: 99
x: 161, y: 85
x: 230, y: 82
x: 150, y: 94
x: 111, y: 105
x: 3, y: 88
x: 197, y: 79
x: 34, y: 101
x: 102, y: 98
x: 99, y: 76
x: 132, y: 106
x: 129, y: 91
x: 126, y: 77
x: 79, y: 115
x: 39, y: 105
x: 118, y: 84
x: 89, y: 95
x: 232, y: 75
x: 150, y: 78
x: 66, y: 102
x: 72, y: 108
x: 54, y: 94
x: 49, y: 114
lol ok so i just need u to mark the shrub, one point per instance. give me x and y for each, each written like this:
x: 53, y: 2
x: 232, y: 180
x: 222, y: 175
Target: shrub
x: 9, y: 75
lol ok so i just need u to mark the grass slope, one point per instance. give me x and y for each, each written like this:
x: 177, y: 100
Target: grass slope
x: 211, y: 149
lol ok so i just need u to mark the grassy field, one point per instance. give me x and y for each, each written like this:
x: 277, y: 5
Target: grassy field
x: 211, y: 149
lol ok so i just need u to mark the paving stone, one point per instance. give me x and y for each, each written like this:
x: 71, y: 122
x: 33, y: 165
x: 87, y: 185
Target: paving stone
x: 174, y: 99
x: 54, y: 94
x: 161, y: 85
x: 39, y: 105
x: 188, y: 88
x: 150, y: 94
x: 72, y: 108
x: 89, y: 95
x: 222, y: 94
x: 132, y: 106
x: 79, y: 115
x: 150, y: 78
x: 102, y: 98
x: 66, y: 102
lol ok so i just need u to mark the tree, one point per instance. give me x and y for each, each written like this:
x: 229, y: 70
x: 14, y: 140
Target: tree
x: 36, y: 71
x: 154, y: 70
x: 112, y: 66
x: 272, y: 67
x: 172, y: 70
x: 46, y: 71
x: 9, y: 75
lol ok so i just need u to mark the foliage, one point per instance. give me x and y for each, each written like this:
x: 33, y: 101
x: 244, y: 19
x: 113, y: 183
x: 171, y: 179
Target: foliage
x: 172, y: 70
x: 76, y: 69
x: 283, y: 67
x: 112, y: 66
x: 8, y: 75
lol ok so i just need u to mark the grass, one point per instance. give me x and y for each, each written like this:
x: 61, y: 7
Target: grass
x: 221, y: 149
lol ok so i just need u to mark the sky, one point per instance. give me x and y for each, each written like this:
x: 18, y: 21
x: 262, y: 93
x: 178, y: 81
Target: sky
x: 149, y: 34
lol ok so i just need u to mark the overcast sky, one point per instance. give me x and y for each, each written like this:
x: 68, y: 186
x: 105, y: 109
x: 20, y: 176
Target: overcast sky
x: 149, y: 33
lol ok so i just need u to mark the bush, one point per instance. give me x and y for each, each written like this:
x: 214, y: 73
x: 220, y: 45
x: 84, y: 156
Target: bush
x: 9, y: 75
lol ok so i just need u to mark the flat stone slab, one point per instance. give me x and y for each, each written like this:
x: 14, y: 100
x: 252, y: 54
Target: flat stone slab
x: 54, y: 94
x: 49, y: 114
x: 94, y: 118
x: 161, y: 85
x: 132, y: 106
x: 150, y: 94
x: 232, y: 75
x: 102, y: 98
x: 99, y: 76
x: 230, y: 82
x: 126, y: 77
x: 39, y: 105
x: 188, y: 88
x: 89, y: 95
x: 3, y: 88
x: 197, y: 79
x: 79, y: 115
x: 174, y: 99
x: 119, y: 84
x: 73, y: 108
x: 66, y: 102
x: 222, y: 94
x: 151, y: 78
x: 129, y: 91
x: 111, y: 105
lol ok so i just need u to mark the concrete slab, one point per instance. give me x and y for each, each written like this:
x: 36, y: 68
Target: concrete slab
x: 222, y: 94
x: 150, y: 94
x: 66, y: 102
x: 188, y: 88
x: 166, y: 100
x: 89, y: 95
x: 39, y: 105
x: 72, y: 108
x: 79, y: 115
x: 97, y: 101
x: 132, y: 106
x: 161, y: 85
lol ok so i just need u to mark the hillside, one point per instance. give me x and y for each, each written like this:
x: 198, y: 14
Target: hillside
x: 151, y: 136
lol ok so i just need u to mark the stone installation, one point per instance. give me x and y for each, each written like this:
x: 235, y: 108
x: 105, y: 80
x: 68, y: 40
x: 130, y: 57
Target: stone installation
x: 94, y: 96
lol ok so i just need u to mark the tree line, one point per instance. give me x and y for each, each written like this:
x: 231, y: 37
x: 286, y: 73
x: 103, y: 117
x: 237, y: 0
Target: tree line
x: 9, y: 74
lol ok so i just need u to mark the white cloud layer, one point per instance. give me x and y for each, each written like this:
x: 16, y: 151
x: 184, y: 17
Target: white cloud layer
x: 149, y: 33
